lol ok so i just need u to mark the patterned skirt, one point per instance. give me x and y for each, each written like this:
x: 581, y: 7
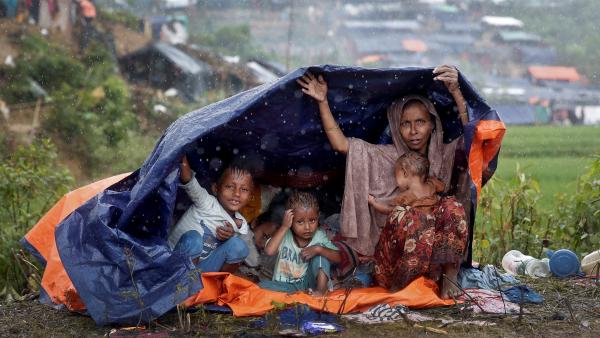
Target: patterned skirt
x: 417, y: 242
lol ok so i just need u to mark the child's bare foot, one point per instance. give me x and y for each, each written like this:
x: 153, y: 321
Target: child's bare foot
x: 315, y: 293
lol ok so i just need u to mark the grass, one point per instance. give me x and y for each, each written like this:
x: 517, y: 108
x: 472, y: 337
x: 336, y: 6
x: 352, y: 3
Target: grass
x: 554, y: 156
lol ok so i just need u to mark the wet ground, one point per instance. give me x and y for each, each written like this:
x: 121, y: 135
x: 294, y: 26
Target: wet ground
x: 571, y: 308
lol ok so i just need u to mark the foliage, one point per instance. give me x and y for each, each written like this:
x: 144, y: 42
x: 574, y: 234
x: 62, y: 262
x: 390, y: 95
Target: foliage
x: 509, y: 217
x: 120, y: 17
x: 49, y: 66
x: 31, y: 180
x: 576, y: 219
x: 230, y: 40
x: 91, y: 103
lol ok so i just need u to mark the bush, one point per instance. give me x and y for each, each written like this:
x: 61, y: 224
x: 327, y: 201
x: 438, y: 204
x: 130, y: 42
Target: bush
x: 231, y: 40
x: 509, y: 217
x: 30, y: 182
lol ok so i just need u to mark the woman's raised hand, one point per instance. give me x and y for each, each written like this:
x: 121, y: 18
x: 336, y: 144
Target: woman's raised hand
x: 448, y: 75
x: 313, y: 87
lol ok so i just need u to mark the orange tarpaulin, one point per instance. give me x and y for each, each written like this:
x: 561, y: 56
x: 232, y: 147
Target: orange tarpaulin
x: 56, y: 281
x: 247, y: 299
x: 486, y: 144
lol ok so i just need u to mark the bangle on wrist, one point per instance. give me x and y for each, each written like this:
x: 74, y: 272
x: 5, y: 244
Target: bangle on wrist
x: 332, y: 128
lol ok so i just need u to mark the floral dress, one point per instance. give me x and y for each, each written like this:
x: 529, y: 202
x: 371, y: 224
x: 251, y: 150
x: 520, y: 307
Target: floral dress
x: 417, y: 240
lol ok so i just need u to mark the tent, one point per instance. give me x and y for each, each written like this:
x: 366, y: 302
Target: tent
x: 164, y: 66
x: 110, y: 255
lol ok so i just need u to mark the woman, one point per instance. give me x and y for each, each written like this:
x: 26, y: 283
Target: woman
x: 414, y: 125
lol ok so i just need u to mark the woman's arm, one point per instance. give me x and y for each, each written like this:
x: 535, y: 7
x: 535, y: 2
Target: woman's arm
x: 317, y: 89
x: 449, y: 75
x: 272, y: 246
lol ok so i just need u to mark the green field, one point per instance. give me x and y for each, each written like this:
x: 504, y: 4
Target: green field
x: 554, y: 156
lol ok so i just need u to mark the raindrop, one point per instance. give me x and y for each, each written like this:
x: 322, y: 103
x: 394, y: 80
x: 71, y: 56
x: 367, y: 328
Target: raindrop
x: 215, y: 164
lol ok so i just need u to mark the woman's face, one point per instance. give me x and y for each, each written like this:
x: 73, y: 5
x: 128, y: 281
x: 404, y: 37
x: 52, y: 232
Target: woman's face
x: 416, y: 127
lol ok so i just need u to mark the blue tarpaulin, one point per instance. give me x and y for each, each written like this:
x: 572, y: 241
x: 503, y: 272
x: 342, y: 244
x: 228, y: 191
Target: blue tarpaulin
x: 114, y: 247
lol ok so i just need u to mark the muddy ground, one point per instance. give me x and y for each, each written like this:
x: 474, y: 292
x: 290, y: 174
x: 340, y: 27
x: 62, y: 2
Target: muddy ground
x: 571, y: 308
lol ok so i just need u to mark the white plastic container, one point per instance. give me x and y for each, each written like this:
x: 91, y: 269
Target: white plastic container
x: 590, y: 264
x: 516, y: 263
x: 538, y: 267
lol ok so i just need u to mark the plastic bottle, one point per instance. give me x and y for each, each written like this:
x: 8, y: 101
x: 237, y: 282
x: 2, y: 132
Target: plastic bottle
x: 538, y: 267
x: 590, y: 264
x: 516, y: 263
x: 564, y: 263
x: 512, y: 261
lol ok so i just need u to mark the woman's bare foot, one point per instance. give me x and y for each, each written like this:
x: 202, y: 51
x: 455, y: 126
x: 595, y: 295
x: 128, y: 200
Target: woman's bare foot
x: 450, y: 287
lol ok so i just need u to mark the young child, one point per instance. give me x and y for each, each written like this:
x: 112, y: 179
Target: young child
x: 258, y: 266
x: 206, y: 231
x: 418, y: 189
x: 304, y: 253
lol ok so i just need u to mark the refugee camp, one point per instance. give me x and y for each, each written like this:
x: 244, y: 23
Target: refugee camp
x: 262, y: 168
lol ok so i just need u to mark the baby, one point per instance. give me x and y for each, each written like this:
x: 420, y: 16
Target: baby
x: 417, y: 188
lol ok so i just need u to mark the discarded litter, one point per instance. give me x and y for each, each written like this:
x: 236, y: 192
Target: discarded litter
x: 523, y: 293
x: 590, y: 264
x: 314, y: 328
x: 517, y: 263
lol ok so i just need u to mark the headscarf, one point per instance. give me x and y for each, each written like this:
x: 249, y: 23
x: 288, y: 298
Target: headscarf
x: 370, y: 170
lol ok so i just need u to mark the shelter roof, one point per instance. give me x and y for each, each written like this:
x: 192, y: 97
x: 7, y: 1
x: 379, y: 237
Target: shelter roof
x: 406, y: 25
x: 518, y: 36
x: 414, y: 45
x: 178, y: 57
x: 516, y: 113
x: 502, y: 21
x: 558, y: 73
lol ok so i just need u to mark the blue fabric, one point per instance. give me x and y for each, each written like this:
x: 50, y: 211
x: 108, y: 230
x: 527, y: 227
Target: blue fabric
x: 487, y: 278
x: 513, y: 294
x: 190, y: 244
x: 232, y: 251
x: 316, y: 264
x: 114, y: 247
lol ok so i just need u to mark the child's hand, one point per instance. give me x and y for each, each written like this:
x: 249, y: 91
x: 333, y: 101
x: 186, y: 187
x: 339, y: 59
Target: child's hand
x: 310, y: 252
x: 371, y: 199
x: 288, y: 218
x: 225, y: 231
x: 185, y: 173
x: 313, y: 87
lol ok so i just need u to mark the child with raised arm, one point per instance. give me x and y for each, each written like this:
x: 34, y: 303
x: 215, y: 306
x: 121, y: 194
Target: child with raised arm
x: 417, y: 188
x: 304, y: 253
x: 206, y: 233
